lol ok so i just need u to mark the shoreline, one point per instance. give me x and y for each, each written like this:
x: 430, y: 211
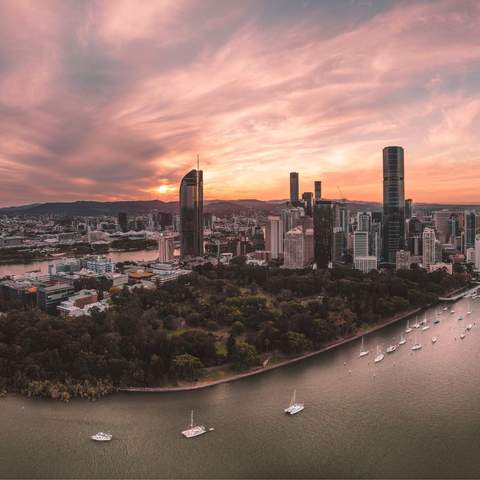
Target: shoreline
x: 258, y: 370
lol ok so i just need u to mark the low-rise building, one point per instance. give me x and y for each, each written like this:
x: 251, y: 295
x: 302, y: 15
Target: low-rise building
x: 50, y: 296
x: 366, y: 264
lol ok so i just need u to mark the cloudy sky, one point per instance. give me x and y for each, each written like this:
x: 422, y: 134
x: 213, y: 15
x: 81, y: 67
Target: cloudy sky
x: 111, y: 100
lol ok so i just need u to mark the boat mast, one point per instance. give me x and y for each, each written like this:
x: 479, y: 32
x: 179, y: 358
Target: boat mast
x: 191, y: 419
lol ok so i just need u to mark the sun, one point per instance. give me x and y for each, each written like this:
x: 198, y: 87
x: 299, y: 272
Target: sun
x: 162, y: 189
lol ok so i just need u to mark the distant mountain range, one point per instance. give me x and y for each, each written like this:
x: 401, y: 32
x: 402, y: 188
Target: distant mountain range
x: 217, y: 207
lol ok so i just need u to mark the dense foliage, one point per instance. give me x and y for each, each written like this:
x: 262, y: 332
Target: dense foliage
x: 216, y: 316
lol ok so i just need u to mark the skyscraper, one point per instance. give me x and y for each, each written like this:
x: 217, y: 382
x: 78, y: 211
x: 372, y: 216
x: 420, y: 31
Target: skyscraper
x: 323, y: 232
x: 318, y: 190
x: 441, y: 220
x: 361, y: 244
x: 429, y: 247
x: 408, y: 208
x: 470, y: 224
x: 165, y: 248
x: 393, y: 202
x: 294, y: 189
x: 364, y: 221
x: 274, y: 236
x: 307, y: 198
x: 294, y: 249
x: 123, y: 221
x: 191, y: 214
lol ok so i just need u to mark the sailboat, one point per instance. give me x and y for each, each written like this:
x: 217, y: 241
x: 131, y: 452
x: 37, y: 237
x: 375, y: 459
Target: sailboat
x: 194, y: 430
x: 463, y: 335
x: 403, y: 340
x: 417, y: 325
x: 469, y: 309
x: 380, y: 356
x: 391, y: 348
x: 434, y: 339
x: 408, y: 329
x: 426, y: 326
x: 469, y: 326
x: 416, y: 345
x: 294, y: 407
x: 363, y: 351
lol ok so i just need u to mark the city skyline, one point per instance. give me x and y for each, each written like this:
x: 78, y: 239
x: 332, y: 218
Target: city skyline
x: 110, y: 101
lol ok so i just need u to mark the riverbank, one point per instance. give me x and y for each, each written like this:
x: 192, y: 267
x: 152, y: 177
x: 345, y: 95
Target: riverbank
x: 185, y: 387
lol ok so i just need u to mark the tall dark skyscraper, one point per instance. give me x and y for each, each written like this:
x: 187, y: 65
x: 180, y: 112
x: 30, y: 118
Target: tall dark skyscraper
x: 123, y: 221
x: 191, y: 214
x: 408, y: 208
x: 470, y: 223
x: 318, y: 190
x: 307, y: 198
x: 323, y: 232
x: 294, y: 189
x: 393, y: 203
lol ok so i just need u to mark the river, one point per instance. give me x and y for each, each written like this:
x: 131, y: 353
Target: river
x: 21, y: 268
x: 414, y: 415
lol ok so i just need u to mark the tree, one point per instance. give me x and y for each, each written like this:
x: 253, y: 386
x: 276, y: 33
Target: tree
x: 297, y: 343
x: 187, y: 366
x: 244, y: 356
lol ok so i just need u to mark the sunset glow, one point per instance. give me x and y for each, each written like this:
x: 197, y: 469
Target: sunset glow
x: 105, y: 100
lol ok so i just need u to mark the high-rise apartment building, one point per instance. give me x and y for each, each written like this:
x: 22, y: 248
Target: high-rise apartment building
x: 294, y: 249
x: 469, y: 229
x: 318, y: 190
x: 323, y: 232
x: 477, y: 252
x: 393, y: 202
x: 191, y: 214
x: 429, y: 247
x: 441, y: 219
x: 123, y: 221
x: 165, y: 248
x: 360, y: 244
x: 294, y: 188
x: 274, y: 236
x: 408, y: 208
x: 307, y: 198
x: 364, y: 221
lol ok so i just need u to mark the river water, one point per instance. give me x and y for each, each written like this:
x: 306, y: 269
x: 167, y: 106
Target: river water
x: 414, y: 415
x: 21, y: 268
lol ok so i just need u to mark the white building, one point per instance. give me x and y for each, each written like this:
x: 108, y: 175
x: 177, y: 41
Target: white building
x: 366, y: 264
x: 294, y: 249
x: 470, y: 254
x: 166, y: 248
x: 364, y: 221
x: 477, y: 252
x: 274, y: 236
x: 98, y: 264
x: 360, y: 244
x: 429, y: 240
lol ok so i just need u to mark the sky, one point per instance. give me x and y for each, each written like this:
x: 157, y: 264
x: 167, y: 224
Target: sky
x: 112, y: 100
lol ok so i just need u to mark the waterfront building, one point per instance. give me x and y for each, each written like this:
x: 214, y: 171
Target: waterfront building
x: 477, y: 252
x: 318, y: 189
x: 393, y: 202
x: 323, y: 233
x: 274, y: 236
x: 294, y: 188
x: 294, y: 249
x: 99, y: 264
x: 429, y: 247
x: 166, y: 248
x: 191, y: 214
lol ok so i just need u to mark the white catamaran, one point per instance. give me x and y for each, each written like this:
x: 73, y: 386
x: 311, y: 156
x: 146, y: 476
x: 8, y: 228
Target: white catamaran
x: 363, y: 351
x: 294, y: 407
x: 403, y: 340
x: 194, y: 430
x: 102, y: 437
